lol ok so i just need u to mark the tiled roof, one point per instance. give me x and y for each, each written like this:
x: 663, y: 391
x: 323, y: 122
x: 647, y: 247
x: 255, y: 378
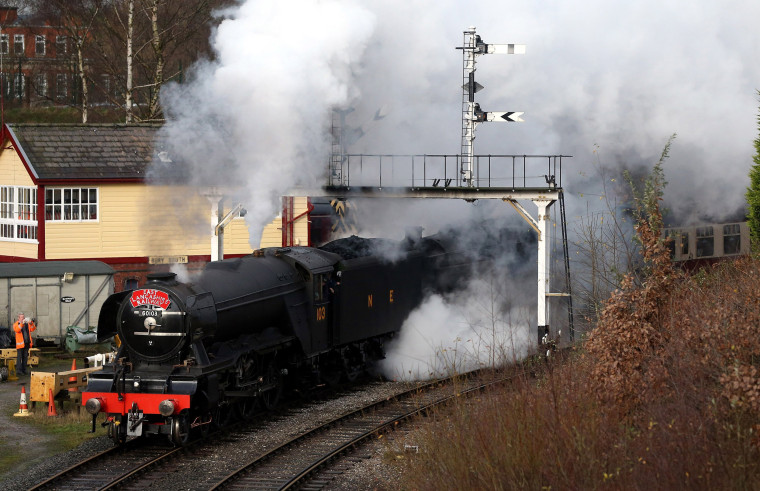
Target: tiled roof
x: 88, y: 151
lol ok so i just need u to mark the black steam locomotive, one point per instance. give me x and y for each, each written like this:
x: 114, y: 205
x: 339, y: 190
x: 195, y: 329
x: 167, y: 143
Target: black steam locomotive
x: 196, y: 355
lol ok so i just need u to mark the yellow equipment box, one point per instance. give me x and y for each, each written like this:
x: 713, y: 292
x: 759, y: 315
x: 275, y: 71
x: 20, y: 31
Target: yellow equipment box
x: 10, y: 354
x: 43, y: 382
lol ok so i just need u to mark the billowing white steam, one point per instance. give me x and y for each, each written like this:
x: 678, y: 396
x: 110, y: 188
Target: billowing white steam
x: 183, y: 275
x: 258, y: 117
x: 461, y: 332
x: 623, y: 77
x: 618, y: 78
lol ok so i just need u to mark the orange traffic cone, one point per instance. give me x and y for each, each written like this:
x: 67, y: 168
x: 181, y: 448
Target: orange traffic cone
x: 23, y: 409
x: 73, y: 378
x: 51, y: 404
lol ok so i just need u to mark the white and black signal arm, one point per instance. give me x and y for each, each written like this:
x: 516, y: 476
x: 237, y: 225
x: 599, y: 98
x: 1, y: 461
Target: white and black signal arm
x: 473, y: 46
x: 499, y: 117
x: 482, y: 48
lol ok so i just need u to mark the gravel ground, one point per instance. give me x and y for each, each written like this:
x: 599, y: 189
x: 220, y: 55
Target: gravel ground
x: 368, y: 472
x: 38, y: 459
x: 231, y: 453
x: 368, y: 467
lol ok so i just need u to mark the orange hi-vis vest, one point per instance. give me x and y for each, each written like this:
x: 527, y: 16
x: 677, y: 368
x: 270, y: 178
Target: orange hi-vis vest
x: 20, y: 335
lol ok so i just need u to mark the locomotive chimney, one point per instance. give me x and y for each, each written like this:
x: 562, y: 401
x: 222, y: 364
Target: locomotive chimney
x: 413, y: 236
x: 165, y: 276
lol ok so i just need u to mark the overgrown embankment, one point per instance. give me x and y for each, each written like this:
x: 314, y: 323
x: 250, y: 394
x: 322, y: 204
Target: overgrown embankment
x: 664, y: 394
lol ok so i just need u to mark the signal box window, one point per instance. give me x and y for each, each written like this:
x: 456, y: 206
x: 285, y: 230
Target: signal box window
x: 684, y: 244
x: 673, y: 234
x: 71, y: 204
x: 732, y: 239
x: 130, y: 284
x: 18, y: 213
x: 705, y: 242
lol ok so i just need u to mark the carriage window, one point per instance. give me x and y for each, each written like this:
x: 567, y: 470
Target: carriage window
x: 673, y: 236
x: 732, y: 238
x: 705, y: 242
x: 679, y: 243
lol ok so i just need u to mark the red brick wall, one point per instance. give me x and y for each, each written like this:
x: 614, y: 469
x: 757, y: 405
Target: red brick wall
x: 139, y: 271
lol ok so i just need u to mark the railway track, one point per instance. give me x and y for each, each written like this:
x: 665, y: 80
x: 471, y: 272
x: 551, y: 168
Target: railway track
x: 143, y: 463
x: 292, y: 464
x: 272, y: 453
x: 108, y: 468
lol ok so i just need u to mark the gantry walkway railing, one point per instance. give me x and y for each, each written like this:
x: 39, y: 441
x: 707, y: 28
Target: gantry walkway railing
x: 441, y: 170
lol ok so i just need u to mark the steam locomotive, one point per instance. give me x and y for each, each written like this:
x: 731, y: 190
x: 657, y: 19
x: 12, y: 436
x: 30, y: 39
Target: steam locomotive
x: 196, y: 355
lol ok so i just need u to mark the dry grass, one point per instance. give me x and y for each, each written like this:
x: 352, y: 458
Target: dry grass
x: 664, y: 395
x: 69, y: 428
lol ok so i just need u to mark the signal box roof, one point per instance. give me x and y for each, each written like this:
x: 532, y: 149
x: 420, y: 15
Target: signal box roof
x: 74, y: 152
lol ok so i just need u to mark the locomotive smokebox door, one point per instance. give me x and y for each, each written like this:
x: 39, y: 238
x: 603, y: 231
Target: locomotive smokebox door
x: 160, y: 330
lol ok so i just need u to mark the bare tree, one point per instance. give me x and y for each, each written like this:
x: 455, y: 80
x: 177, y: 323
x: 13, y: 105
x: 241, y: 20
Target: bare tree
x: 76, y: 18
x: 604, y: 246
x: 123, y: 51
x: 608, y: 249
x: 130, y: 57
x: 140, y: 39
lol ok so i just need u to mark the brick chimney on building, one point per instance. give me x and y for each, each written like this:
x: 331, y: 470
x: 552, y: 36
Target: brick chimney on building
x: 8, y: 15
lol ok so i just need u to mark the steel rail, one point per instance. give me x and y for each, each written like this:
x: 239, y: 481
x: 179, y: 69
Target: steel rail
x: 96, y: 468
x: 400, y: 398
x: 136, y: 471
x: 301, y: 478
x: 74, y: 468
x: 126, y: 451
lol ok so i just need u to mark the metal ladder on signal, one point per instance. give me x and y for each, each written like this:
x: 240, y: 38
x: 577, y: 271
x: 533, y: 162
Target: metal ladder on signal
x: 335, y: 172
x: 566, y: 254
x: 468, y: 125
